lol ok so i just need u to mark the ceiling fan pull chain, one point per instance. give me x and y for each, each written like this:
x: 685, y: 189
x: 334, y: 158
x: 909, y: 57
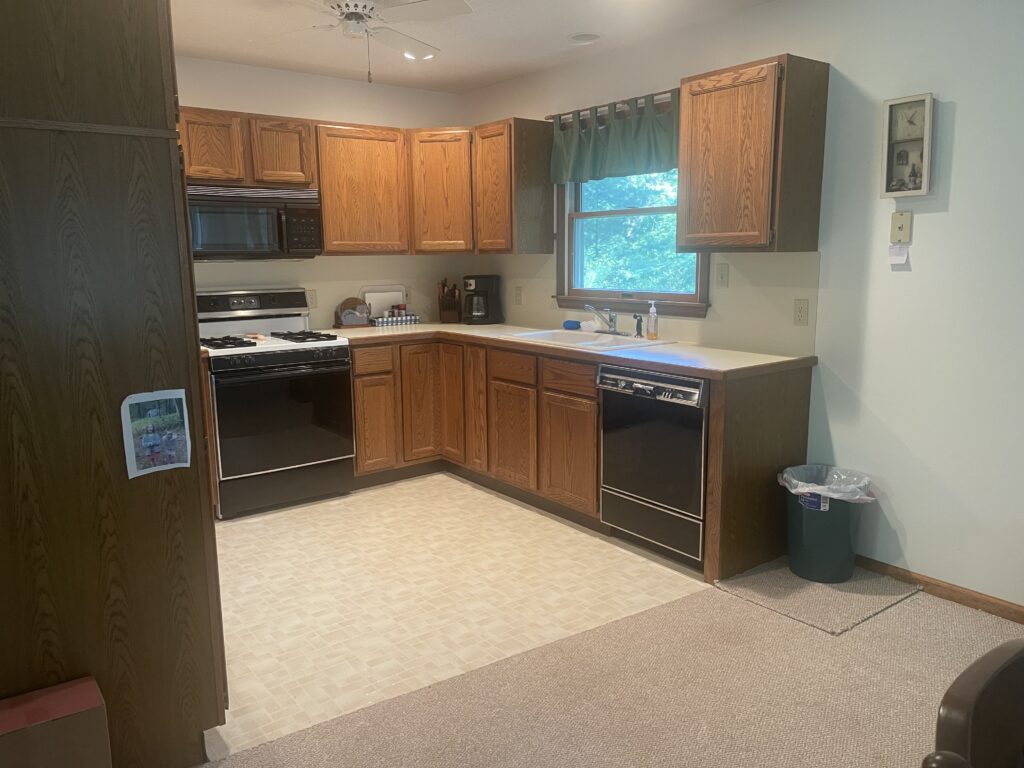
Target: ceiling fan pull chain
x: 369, y: 69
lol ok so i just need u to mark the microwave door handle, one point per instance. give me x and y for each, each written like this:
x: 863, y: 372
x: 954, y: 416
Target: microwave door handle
x: 282, y: 230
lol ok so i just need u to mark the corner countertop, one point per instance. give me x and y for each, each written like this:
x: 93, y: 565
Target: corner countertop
x: 669, y: 357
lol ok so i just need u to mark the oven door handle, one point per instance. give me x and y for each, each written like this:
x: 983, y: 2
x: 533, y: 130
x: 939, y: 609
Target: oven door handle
x: 301, y: 371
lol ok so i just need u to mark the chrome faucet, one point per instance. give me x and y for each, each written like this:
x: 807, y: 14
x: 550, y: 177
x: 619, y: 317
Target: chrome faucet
x: 610, y: 323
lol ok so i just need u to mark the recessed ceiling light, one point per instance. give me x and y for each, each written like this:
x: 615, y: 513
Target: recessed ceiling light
x: 583, y: 38
x: 410, y: 56
x: 428, y: 57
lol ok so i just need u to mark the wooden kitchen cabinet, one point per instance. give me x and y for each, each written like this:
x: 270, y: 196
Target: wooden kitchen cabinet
x: 442, y: 190
x: 364, y: 189
x: 421, y: 395
x: 512, y: 194
x: 238, y: 148
x: 376, y: 403
x: 512, y: 433
x: 213, y: 144
x: 283, y: 150
x: 453, y: 403
x: 751, y: 151
x: 569, y: 451
x: 475, y: 379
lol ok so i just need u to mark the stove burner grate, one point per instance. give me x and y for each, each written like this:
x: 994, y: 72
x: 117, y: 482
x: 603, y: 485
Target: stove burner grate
x: 303, y: 336
x: 226, y: 342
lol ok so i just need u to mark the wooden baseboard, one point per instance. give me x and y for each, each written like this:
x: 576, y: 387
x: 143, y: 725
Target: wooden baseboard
x: 947, y: 591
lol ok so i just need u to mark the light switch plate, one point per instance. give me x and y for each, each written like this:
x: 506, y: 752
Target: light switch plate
x: 518, y: 294
x: 801, y: 311
x: 902, y: 228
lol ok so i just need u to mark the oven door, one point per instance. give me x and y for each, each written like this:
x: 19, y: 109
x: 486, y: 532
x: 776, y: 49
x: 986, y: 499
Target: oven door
x: 282, y: 418
x: 237, y: 229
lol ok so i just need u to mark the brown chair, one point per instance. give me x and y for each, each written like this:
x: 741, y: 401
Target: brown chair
x: 981, y: 717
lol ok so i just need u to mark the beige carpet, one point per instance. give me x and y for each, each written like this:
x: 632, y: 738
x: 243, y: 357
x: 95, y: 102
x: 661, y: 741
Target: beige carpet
x: 708, y: 680
x: 833, y: 608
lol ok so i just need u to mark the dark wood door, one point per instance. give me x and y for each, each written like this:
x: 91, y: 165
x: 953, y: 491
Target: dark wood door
x: 512, y: 433
x: 421, y: 401
x: 726, y: 158
x: 364, y: 188
x: 101, y: 575
x: 453, y: 403
x: 283, y: 150
x: 213, y: 145
x: 569, y: 451
x: 375, y: 400
x: 492, y: 186
x: 442, y: 206
x: 476, y: 407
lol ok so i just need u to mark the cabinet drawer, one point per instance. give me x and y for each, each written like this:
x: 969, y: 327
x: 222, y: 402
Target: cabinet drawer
x: 564, y: 376
x: 372, y: 360
x: 512, y: 366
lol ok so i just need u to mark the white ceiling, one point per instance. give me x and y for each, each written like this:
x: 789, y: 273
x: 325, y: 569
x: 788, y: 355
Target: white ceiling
x: 501, y: 39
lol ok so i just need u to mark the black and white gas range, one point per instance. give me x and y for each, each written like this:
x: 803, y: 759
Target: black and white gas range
x: 282, y: 400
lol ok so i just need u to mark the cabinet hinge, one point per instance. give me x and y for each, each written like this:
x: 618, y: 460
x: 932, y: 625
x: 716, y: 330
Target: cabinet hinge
x: 782, y: 71
x: 177, y: 109
x: 181, y: 158
x: 771, y: 236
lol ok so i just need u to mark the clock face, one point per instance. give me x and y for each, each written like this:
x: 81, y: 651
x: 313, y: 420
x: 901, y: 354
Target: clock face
x: 907, y: 121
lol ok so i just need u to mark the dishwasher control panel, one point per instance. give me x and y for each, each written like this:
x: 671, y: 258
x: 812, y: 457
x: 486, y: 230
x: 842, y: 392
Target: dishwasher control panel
x: 656, y: 386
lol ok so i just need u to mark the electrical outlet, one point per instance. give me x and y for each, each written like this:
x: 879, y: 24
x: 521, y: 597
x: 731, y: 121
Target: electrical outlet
x: 801, y: 311
x: 311, y: 297
x: 518, y: 296
x: 722, y: 274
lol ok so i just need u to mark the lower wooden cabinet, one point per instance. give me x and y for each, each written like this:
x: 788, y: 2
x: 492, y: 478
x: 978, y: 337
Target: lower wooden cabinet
x: 453, y: 403
x: 421, y: 411
x: 512, y: 433
x: 568, y: 451
x: 476, y: 407
x: 376, y: 422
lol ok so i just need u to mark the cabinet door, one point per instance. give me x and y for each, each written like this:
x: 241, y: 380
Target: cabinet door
x: 421, y: 410
x: 376, y: 404
x: 476, y: 408
x: 364, y: 189
x: 282, y: 150
x: 453, y: 403
x: 492, y: 186
x: 442, y: 208
x: 726, y: 158
x: 512, y: 433
x: 212, y: 142
x: 568, y: 451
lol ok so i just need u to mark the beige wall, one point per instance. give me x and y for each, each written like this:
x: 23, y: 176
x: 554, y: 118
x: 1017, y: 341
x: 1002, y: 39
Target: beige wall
x: 920, y: 373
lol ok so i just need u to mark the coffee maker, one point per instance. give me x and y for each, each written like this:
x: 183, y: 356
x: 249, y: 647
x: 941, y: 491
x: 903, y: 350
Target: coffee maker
x: 483, y: 299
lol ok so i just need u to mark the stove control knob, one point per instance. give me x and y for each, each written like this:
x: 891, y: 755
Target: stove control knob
x: 317, y: 354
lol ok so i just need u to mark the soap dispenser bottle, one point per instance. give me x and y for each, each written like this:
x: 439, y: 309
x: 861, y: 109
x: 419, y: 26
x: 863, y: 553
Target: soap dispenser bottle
x: 652, y: 323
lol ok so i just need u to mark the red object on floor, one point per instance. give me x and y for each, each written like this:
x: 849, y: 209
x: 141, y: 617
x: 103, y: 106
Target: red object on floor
x: 63, y: 725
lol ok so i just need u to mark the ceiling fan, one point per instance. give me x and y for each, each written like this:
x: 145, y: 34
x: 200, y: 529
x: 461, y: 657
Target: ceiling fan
x: 370, y: 18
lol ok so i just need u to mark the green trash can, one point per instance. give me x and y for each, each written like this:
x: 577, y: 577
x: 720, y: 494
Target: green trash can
x: 822, y: 523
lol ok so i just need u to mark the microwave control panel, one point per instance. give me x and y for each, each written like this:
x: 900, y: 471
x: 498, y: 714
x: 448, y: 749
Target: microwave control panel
x: 304, y: 234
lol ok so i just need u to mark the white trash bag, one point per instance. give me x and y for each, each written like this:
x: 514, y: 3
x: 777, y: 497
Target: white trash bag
x: 822, y: 480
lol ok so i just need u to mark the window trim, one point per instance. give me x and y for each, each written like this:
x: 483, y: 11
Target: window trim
x: 567, y: 297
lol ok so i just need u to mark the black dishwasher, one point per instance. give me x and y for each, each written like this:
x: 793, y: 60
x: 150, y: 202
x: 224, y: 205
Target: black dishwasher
x: 654, y: 441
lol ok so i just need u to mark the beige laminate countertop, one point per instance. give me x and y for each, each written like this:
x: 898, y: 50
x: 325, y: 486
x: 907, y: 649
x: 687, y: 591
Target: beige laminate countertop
x: 672, y: 357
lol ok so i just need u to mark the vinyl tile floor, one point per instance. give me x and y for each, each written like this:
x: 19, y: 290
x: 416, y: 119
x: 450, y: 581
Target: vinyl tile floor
x: 334, y: 606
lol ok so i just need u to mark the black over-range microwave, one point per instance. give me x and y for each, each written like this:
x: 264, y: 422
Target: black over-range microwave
x: 244, y: 223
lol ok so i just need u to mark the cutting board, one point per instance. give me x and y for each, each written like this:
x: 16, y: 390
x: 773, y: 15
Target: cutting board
x: 383, y: 297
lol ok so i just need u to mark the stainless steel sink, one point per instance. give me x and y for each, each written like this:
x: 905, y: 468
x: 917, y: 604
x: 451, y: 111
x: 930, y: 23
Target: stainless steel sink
x: 584, y: 339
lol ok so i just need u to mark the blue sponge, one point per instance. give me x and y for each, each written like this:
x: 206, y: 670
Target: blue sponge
x: 571, y: 325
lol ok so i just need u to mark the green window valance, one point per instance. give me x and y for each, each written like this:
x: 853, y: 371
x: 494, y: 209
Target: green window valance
x: 640, y: 140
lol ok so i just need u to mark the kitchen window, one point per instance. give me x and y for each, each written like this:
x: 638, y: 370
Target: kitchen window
x: 619, y: 249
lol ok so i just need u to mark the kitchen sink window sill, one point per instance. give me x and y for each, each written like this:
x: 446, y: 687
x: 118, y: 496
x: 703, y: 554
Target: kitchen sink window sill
x: 641, y: 306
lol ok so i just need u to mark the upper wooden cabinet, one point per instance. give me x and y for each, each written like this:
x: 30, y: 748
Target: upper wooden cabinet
x: 283, y: 151
x: 442, y: 190
x: 513, y: 197
x: 751, y: 150
x: 244, y: 149
x: 213, y: 145
x: 364, y: 189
